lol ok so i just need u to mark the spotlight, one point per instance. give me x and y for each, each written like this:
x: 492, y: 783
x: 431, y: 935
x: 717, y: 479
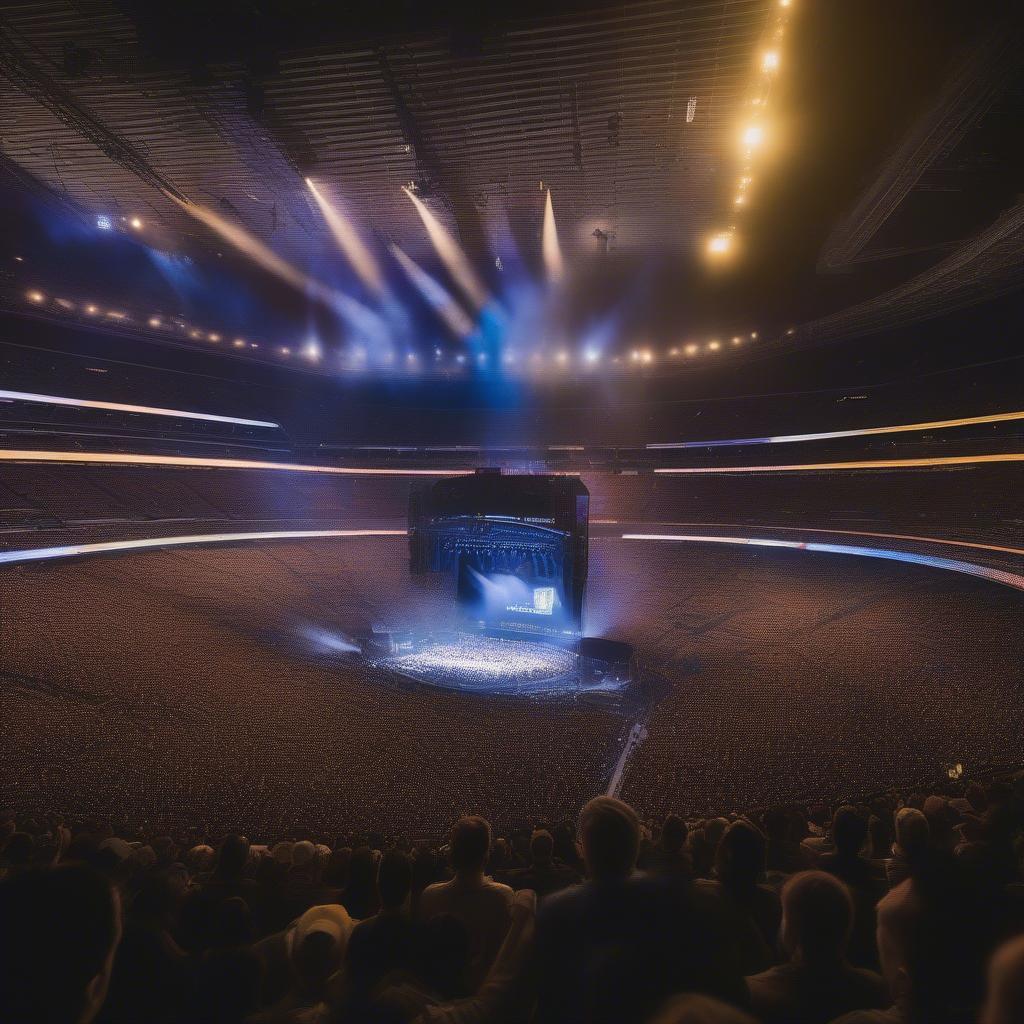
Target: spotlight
x: 673, y: 352
x: 562, y: 358
x: 312, y: 351
x: 104, y: 223
x: 692, y: 349
x: 460, y: 359
x: 770, y: 60
x: 410, y: 357
x: 154, y: 321
x: 285, y: 351
x: 91, y: 310
x: 591, y: 355
x: 19, y: 259
x: 753, y: 335
x: 635, y: 356
x: 136, y: 223
x: 115, y: 315
x: 239, y: 343
x: 254, y: 344
x: 214, y: 337
x: 736, y: 340
x: 740, y: 200
x: 753, y: 136
x: 720, y: 244
x: 646, y: 357
x: 195, y: 334
x: 714, y: 345
x: 35, y: 296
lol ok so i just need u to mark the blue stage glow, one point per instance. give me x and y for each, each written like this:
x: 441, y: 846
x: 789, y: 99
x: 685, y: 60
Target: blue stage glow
x: 104, y: 223
x: 327, y: 641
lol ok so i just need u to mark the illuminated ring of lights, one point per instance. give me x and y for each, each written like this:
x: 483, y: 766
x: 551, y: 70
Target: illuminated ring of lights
x: 189, y: 461
x: 106, y: 547
x: 82, y: 403
x: 811, y: 467
x: 902, y: 428
x: 1007, y: 579
x: 1001, y: 549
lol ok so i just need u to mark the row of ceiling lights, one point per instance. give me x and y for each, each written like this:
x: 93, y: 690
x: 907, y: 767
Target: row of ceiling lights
x: 312, y: 353
x: 754, y: 132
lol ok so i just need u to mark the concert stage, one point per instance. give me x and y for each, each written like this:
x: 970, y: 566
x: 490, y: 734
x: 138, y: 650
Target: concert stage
x: 491, y: 665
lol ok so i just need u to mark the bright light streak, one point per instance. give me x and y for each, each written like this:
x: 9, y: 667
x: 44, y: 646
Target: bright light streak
x: 852, y: 533
x: 91, y: 310
x: 968, y: 421
x: 355, y: 312
x: 35, y: 296
x: 770, y: 60
x: 136, y: 223
x: 811, y: 467
x: 154, y: 321
x: 349, y: 242
x: 436, y: 295
x: 1008, y: 579
x: 73, y: 550
x: 82, y: 403
x: 312, y: 351
x: 187, y: 462
x: 552, y: 250
x: 451, y: 254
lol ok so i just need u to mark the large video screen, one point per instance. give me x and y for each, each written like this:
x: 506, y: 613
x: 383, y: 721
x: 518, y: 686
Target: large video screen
x: 509, y: 602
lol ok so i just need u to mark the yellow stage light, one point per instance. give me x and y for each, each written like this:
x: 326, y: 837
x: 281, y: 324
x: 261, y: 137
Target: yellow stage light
x: 753, y: 136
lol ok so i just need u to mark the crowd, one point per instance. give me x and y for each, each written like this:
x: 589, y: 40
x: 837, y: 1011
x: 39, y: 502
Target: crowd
x: 905, y: 910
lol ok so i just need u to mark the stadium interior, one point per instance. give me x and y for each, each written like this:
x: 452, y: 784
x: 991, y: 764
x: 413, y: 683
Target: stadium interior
x: 512, y: 514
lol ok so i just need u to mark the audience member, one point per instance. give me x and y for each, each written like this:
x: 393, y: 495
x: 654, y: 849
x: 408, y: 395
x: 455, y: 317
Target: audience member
x: 482, y: 904
x: 817, y: 983
x: 59, y: 932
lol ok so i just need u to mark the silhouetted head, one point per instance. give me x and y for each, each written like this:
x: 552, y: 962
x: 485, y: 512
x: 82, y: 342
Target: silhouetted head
x: 394, y: 879
x: 699, y: 1009
x: 817, y: 915
x: 849, y: 830
x: 59, y: 929
x: 911, y: 834
x: 470, y: 844
x: 232, y: 857
x: 609, y: 831
x: 673, y: 833
x: 740, y: 858
x: 542, y: 846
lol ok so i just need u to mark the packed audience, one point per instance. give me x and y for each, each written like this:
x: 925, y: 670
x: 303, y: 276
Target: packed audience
x: 904, y: 909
